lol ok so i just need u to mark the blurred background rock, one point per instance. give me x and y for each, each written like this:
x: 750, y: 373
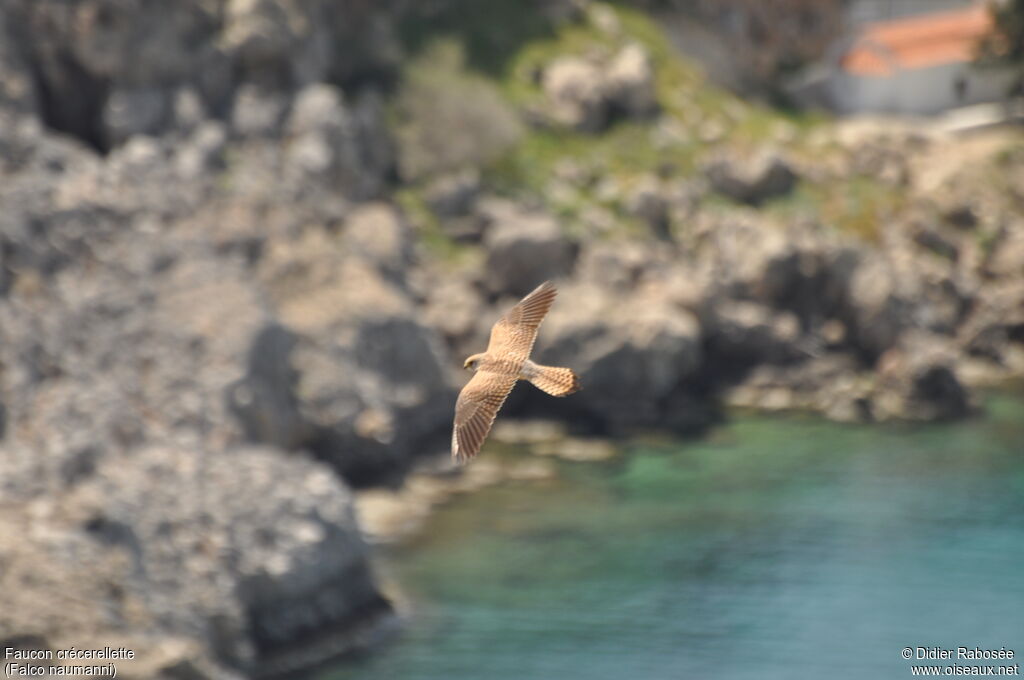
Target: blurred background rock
x: 244, y: 245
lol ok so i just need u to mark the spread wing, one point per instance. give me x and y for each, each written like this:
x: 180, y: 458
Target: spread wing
x: 478, y: 403
x: 513, y: 336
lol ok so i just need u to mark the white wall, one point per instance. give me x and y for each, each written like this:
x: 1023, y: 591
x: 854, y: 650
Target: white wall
x: 918, y: 91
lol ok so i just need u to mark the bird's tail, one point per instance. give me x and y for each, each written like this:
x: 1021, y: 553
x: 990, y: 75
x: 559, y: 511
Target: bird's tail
x: 556, y: 381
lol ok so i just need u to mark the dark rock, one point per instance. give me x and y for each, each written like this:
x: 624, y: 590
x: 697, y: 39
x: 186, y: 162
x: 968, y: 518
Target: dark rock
x: 138, y: 111
x: 938, y: 390
x: 874, y: 311
x: 330, y: 146
x: 202, y: 153
x: 377, y: 152
x: 455, y: 308
x: 803, y: 272
x: 239, y: 548
x: 751, y: 180
x: 631, y: 354
x: 648, y: 202
x: 264, y: 400
x: 17, y: 89
x: 378, y: 233
x: 1005, y: 256
x: 884, y: 159
x: 188, y: 109
x: 962, y: 216
x: 935, y: 241
x: 142, y: 353
x: 100, y: 69
x: 258, y: 111
x: 453, y: 195
x: 995, y: 323
x: 587, y: 94
x: 739, y: 335
x: 371, y: 385
x: 629, y: 83
x: 616, y: 266
x: 832, y: 384
x: 918, y: 381
x: 524, y: 249
x: 564, y: 11
x: 576, y: 95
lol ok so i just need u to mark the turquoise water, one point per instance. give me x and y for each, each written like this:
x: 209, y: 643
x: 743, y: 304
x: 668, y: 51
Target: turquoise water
x: 774, y: 548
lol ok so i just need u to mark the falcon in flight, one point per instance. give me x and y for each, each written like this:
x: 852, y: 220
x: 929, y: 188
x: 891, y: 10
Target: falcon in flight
x: 506, y: 360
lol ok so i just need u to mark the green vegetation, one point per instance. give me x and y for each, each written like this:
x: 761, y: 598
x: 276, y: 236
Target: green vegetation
x: 860, y: 205
x: 626, y: 147
x: 489, y: 61
x: 429, y: 229
x: 447, y: 118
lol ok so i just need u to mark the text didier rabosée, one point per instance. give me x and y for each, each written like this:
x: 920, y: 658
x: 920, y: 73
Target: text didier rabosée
x: 962, y: 653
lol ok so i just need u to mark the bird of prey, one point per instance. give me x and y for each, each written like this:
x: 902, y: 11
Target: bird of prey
x: 506, y: 360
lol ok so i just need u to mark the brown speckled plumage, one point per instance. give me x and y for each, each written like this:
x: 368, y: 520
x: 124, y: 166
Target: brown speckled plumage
x: 506, y: 360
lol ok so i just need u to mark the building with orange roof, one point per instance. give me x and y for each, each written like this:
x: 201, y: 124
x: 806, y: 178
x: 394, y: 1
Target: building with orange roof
x: 919, y: 63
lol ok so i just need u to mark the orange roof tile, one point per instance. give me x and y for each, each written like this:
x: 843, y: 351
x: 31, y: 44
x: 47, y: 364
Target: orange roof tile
x: 918, y: 42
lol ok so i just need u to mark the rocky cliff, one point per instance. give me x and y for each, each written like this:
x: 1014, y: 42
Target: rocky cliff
x: 244, y: 244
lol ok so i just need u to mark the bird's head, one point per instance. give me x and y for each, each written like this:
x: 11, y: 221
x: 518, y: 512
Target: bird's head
x: 473, y: 362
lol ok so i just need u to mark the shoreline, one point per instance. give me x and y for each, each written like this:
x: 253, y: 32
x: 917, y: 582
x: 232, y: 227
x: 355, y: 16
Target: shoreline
x: 395, y: 516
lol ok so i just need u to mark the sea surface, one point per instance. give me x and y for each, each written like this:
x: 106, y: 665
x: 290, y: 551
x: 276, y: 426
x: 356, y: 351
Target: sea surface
x: 775, y: 547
